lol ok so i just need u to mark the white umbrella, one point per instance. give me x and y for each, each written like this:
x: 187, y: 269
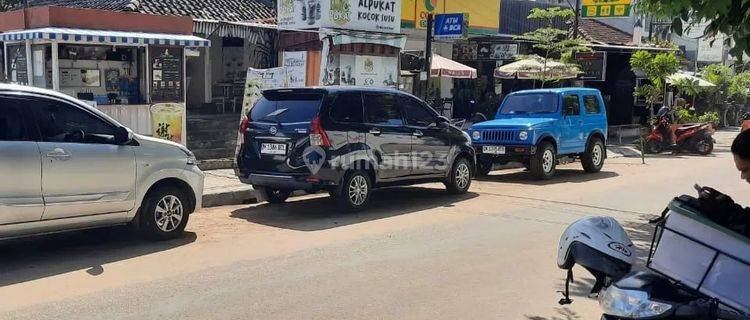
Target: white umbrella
x: 534, y: 68
x: 444, y: 67
x: 685, y: 75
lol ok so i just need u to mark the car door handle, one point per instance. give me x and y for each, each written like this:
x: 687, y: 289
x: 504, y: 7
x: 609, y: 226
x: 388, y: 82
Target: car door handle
x: 376, y: 132
x: 418, y: 134
x: 58, y: 154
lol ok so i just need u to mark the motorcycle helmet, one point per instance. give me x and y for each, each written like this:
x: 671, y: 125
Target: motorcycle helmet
x: 601, y: 246
x: 663, y: 111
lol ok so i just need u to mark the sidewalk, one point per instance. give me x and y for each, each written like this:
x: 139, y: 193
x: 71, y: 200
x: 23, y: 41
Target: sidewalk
x: 222, y: 188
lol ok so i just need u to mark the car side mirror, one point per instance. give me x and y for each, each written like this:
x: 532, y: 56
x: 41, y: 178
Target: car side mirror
x: 123, y: 136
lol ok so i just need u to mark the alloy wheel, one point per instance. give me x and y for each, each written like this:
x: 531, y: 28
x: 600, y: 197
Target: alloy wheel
x: 358, y: 190
x: 463, y: 175
x: 548, y: 159
x: 169, y: 213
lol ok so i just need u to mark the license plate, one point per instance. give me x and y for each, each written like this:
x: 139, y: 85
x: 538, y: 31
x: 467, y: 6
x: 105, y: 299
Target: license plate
x: 494, y: 149
x: 273, y: 148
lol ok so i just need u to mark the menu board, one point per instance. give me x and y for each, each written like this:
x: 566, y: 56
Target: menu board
x: 593, y: 65
x: 167, y: 77
x: 18, y: 65
x: 76, y: 78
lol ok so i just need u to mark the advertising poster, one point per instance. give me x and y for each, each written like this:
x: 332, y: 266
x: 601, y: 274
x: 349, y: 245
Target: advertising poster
x: 167, y: 121
x: 504, y: 51
x: 296, y: 68
x: 372, y: 71
x: 330, y: 69
x: 348, y: 67
x: 17, y: 65
x: 257, y: 81
x: 166, y: 74
x: 364, y: 15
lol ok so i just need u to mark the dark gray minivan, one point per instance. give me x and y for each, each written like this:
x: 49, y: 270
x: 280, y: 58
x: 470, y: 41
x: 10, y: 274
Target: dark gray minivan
x: 348, y: 141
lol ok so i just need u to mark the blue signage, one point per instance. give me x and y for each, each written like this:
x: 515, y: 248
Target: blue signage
x: 450, y: 25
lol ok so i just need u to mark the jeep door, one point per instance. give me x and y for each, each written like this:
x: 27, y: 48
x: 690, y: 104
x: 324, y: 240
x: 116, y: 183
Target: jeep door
x: 431, y: 145
x: 572, y: 139
x: 594, y: 118
x: 387, y: 137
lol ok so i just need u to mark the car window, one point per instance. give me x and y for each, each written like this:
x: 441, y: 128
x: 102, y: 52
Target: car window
x: 12, y: 124
x: 416, y: 113
x: 347, y: 108
x: 286, y: 107
x: 529, y: 103
x: 571, y: 105
x: 62, y: 122
x: 381, y: 109
x: 592, y: 104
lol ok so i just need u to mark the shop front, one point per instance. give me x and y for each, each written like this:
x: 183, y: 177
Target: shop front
x: 136, y: 77
x: 338, y: 42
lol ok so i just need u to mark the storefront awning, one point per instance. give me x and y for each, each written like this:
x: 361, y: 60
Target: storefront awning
x: 86, y: 36
x: 444, y: 67
x: 340, y: 37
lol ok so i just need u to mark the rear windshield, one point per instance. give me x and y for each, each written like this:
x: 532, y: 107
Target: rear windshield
x: 287, y: 108
x: 530, y: 103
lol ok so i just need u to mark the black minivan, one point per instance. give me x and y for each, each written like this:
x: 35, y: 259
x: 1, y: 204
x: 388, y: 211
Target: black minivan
x: 348, y: 141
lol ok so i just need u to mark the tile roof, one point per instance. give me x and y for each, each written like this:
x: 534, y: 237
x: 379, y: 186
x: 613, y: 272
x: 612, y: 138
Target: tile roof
x: 599, y: 32
x: 262, y: 11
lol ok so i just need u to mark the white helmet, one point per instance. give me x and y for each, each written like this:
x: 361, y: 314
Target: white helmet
x: 598, y: 244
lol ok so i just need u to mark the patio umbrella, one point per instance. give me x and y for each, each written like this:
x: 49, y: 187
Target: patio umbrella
x: 532, y: 68
x: 686, y: 75
x: 447, y: 68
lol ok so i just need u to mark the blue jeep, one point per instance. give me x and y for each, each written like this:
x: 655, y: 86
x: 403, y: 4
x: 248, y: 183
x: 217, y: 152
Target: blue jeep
x: 541, y: 128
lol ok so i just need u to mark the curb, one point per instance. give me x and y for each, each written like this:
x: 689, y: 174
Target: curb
x: 230, y: 197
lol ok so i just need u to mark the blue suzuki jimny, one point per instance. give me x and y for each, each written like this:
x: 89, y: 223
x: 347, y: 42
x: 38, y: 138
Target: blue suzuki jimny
x: 541, y: 128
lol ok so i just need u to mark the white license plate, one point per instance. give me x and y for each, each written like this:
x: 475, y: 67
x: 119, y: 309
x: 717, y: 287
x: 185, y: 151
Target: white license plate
x: 273, y: 148
x: 494, y: 149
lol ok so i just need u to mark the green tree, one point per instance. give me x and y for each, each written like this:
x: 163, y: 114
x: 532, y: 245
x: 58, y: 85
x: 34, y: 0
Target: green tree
x: 688, y: 87
x: 6, y: 5
x: 739, y: 93
x: 657, y: 68
x: 554, y: 43
x: 721, y: 76
x: 730, y: 17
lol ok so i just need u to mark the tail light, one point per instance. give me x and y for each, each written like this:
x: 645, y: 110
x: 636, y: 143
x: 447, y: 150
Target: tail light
x: 318, y: 136
x: 243, y: 128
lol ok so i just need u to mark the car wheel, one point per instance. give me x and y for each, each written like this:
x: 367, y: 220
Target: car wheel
x: 354, y: 193
x: 543, y: 163
x: 459, y: 179
x: 276, y: 196
x: 484, y: 167
x: 164, y: 214
x: 593, y: 159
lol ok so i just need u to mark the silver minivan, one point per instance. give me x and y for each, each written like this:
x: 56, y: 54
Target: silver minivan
x: 67, y: 166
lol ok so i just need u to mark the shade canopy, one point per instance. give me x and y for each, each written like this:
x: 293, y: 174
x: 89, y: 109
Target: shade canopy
x: 534, y: 68
x: 85, y: 36
x: 689, y: 76
x: 447, y: 68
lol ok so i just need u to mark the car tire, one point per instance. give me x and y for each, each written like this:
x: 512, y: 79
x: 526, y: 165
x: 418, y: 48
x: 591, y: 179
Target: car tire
x: 459, y: 179
x: 354, y: 192
x: 543, y: 164
x: 276, y: 196
x: 164, y: 213
x: 484, y: 167
x: 593, y: 159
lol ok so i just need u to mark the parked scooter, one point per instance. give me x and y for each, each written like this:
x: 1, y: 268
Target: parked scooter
x: 601, y: 246
x: 690, y: 137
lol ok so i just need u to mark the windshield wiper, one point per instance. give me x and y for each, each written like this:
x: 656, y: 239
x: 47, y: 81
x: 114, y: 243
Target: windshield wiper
x: 275, y: 115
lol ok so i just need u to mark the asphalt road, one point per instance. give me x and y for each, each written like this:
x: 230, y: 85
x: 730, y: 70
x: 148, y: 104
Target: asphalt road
x: 418, y: 253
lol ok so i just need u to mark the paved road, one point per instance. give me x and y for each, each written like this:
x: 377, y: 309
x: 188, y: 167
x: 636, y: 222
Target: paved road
x: 417, y: 254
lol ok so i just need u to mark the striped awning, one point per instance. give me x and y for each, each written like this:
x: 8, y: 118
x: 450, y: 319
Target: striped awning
x: 67, y: 35
x: 349, y: 37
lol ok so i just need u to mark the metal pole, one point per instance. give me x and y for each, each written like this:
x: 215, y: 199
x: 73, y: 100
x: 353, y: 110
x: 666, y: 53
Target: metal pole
x: 575, y: 22
x: 428, y: 53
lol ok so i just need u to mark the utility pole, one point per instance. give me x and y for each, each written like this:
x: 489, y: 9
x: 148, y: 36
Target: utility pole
x: 577, y: 17
x: 428, y: 53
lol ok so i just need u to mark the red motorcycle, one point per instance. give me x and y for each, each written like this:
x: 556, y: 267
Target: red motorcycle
x: 697, y: 138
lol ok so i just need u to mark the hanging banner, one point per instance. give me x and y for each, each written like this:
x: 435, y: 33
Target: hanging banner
x: 362, y: 15
x: 296, y: 68
x: 257, y: 81
x: 605, y: 8
x: 168, y: 122
x: 330, y: 68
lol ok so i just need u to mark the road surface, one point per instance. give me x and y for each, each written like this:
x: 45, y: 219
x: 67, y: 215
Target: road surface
x: 418, y: 253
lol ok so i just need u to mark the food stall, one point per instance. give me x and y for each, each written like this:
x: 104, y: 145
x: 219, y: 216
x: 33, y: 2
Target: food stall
x: 136, y: 77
